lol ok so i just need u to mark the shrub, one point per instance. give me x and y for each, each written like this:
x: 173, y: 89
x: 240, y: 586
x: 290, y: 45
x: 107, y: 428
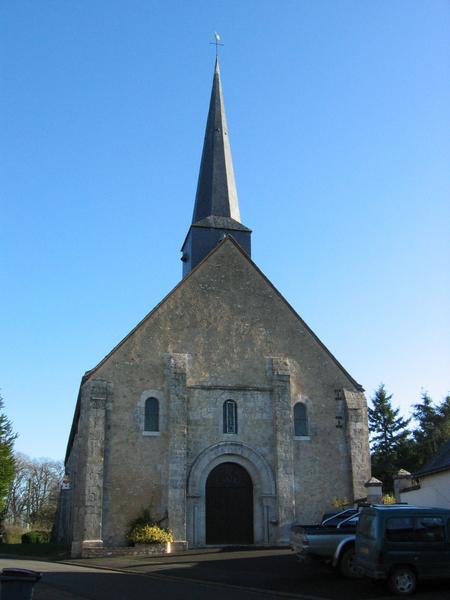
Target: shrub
x: 12, y: 534
x: 388, y: 499
x: 340, y: 502
x: 36, y: 537
x: 149, y: 534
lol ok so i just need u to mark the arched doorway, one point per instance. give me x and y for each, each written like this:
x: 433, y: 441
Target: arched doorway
x: 229, y: 505
x: 264, y: 491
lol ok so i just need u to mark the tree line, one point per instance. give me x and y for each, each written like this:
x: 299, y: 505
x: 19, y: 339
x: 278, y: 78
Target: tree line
x: 7, y: 462
x: 33, y: 494
x: 405, y: 443
x: 29, y: 488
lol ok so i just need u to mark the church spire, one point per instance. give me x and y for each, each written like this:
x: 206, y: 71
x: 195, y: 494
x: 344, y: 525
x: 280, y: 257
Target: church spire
x: 216, y: 188
x: 216, y: 209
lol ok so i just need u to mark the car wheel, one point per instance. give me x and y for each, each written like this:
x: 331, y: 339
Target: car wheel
x: 402, y: 581
x: 347, y: 566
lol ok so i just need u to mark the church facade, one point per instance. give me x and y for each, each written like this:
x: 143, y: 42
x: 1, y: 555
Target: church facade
x: 221, y: 411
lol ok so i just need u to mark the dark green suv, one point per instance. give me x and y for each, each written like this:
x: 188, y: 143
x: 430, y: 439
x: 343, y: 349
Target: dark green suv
x: 403, y: 544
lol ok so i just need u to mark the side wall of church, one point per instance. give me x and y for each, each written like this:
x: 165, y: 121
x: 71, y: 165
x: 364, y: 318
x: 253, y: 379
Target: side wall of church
x: 230, y: 325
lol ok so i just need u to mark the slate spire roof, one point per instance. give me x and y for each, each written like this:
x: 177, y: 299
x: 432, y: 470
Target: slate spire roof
x: 216, y: 209
x: 216, y: 189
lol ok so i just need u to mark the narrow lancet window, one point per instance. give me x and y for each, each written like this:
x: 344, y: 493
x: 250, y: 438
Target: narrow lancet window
x: 151, y: 420
x: 300, y: 420
x: 230, y: 424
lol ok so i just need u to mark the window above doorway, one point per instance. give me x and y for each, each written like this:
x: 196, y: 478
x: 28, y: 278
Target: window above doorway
x: 230, y: 417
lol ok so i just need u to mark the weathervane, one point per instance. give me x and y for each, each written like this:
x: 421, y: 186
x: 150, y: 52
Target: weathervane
x: 216, y: 43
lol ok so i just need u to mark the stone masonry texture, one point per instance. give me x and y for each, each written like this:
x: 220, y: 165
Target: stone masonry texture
x: 223, y: 333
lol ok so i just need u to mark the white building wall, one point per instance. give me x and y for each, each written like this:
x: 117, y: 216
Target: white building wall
x: 434, y: 491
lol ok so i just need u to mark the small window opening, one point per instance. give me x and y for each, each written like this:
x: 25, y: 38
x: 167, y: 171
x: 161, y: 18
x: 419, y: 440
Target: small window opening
x: 300, y: 420
x: 230, y: 424
x: 151, y: 420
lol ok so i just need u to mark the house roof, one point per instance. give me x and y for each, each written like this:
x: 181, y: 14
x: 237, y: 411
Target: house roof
x: 439, y: 462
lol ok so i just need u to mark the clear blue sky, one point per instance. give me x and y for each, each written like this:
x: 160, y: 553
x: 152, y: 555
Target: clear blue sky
x: 339, y: 119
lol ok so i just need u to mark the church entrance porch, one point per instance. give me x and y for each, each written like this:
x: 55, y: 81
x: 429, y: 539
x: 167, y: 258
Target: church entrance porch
x: 231, y: 497
x: 229, y: 505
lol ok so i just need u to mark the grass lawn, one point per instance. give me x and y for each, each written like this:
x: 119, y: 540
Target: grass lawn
x: 48, y: 551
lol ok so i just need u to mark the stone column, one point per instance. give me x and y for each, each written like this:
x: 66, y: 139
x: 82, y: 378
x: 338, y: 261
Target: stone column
x: 374, y: 491
x: 284, y: 457
x: 60, y: 533
x: 176, y: 374
x: 402, y: 480
x: 90, y: 493
x: 357, y: 435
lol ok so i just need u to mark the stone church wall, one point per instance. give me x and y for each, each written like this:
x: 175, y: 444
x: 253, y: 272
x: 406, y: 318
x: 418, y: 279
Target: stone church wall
x: 231, y: 330
x: 255, y: 419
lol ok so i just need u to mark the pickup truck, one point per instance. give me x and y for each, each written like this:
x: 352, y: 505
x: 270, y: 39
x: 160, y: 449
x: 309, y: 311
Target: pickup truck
x: 332, y: 541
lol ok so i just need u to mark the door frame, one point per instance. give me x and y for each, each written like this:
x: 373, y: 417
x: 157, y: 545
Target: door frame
x: 264, y: 495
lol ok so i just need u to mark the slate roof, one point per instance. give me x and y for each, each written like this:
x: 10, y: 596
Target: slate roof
x: 216, y: 188
x: 439, y: 462
x: 221, y: 223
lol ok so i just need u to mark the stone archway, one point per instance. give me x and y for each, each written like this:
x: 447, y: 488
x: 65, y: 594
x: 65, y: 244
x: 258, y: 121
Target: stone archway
x: 264, y: 495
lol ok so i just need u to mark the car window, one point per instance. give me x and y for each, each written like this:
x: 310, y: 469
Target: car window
x: 429, y: 529
x: 367, y: 526
x: 400, y: 529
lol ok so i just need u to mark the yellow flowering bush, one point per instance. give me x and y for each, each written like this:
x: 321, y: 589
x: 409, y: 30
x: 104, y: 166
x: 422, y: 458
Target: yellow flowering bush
x: 149, y: 534
x: 388, y: 499
x: 340, y: 502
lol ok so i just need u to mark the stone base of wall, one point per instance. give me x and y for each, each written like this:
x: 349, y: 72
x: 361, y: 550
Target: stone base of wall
x: 138, y: 550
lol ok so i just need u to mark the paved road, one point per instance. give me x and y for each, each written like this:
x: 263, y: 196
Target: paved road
x: 72, y: 582
x: 244, y: 575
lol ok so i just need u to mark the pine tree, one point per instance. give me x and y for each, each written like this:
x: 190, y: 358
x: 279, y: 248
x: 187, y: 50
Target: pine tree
x: 433, y: 428
x: 444, y: 420
x: 7, y: 437
x: 389, y: 437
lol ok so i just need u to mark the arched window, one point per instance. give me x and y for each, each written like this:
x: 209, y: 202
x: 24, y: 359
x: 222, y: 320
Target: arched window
x: 230, y: 424
x: 300, y: 420
x: 151, y: 419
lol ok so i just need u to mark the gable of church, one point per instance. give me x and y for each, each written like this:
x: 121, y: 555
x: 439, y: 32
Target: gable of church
x: 228, y: 317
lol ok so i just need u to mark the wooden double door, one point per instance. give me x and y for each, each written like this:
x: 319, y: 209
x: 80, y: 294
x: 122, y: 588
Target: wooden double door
x: 229, y: 505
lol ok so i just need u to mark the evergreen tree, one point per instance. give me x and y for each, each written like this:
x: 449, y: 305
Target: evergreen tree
x: 426, y: 416
x: 389, y: 439
x: 444, y: 420
x: 7, y: 437
x: 433, y: 428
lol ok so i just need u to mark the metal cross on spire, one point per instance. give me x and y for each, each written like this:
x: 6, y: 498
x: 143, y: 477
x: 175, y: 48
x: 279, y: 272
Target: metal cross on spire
x: 216, y: 43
